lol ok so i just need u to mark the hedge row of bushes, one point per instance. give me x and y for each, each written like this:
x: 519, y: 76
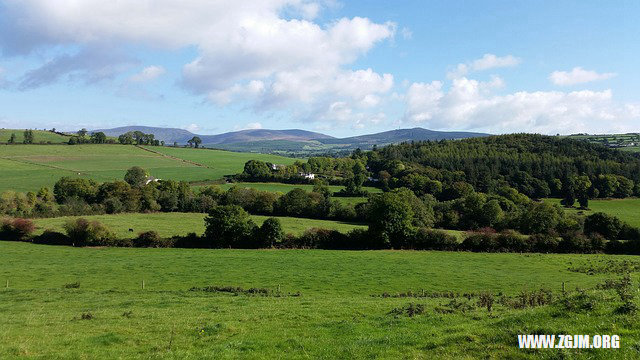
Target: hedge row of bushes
x: 81, y: 232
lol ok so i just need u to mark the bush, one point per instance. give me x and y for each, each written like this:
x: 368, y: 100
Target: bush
x: 113, y: 206
x: 429, y: 239
x: 510, y: 241
x: 544, y: 243
x: 189, y: 241
x: 270, y: 234
x: 575, y: 243
x: 603, y: 224
x: 50, y: 237
x: 229, y: 226
x: 17, y: 229
x: 480, y: 242
x: 151, y: 239
x: 85, y: 233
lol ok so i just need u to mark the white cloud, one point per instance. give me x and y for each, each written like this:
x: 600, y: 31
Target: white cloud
x: 469, y: 104
x: 148, y: 74
x: 192, y: 128
x: 269, y: 53
x: 250, y: 126
x: 486, y: 62
x: 577, y: 75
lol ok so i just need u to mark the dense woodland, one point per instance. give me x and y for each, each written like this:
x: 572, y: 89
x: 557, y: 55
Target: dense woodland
x: 488, y: 186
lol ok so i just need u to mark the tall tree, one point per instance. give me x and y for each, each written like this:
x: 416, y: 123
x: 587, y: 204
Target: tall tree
x: 28, y: 137
x: 136, y: 176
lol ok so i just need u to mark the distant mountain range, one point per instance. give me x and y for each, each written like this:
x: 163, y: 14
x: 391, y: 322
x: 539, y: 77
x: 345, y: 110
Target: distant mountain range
x: 292, y: 141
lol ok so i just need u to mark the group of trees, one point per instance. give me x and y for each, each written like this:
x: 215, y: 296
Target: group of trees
x: 139, y: 138
x: 350, y: 171
x: 94, y: 138
x: 27, y: 137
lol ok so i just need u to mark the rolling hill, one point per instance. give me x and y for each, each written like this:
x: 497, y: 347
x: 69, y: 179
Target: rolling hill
x: 293, y: 141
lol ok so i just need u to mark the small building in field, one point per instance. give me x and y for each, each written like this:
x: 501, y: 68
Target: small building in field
x: 151, y: 179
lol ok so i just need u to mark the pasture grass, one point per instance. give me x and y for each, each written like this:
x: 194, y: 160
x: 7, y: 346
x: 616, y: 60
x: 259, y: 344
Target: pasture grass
x: 627, y: 210
x: 39, y: 136
x: 170, y: 224
x: 29, y: 167
x: 334, y: 317
x: 220, y: 162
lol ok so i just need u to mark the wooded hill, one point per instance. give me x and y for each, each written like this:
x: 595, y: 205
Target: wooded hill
x: 536, y: 165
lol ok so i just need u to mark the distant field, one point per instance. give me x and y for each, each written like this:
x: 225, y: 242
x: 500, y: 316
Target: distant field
x: 170, y: 224
x: 619, y: 141
x: 627, y: 210
x: 222, y: 162
x: 29, y: 167
x: 38, y: 136
x: 335, y: 316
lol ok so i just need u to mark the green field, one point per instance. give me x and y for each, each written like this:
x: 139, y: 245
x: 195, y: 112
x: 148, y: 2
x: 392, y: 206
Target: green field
x: 628, y: 210
x: 334, y: 317
x: 170, y: 224
x: 625, y: 142
x: 221, y: 162
x: 39, y: 136
x: 29, y: 167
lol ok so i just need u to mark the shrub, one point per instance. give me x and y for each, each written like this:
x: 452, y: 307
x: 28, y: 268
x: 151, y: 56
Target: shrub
x: 50, y: 237
x: 85, y: 233
x: 360, y: 239
x: 575, y: 243
x: 480, y: 242
x: 189, y: 241
x: 151, y: 239
x: 17, y: 229
x: 113, y: 206
x: 229, y: 226
x: 429, y: 239
x: 319, y: 238
x: 510, y: 241
x: 269, y: 234
x: 544, y: 243
x: 603, y: 224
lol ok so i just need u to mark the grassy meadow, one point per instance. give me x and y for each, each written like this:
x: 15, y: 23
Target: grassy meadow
x: 29, y: 167
x: 170, y: 224
x: 220, y: 162
x: 627, y: 210
x: 336, y: 315
x: 39, y: 136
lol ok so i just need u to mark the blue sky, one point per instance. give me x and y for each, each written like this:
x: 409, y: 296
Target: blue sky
x: 342, y: 68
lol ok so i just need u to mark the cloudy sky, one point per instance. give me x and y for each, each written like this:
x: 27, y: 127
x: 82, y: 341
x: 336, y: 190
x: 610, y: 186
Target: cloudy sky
x: 339, y: 67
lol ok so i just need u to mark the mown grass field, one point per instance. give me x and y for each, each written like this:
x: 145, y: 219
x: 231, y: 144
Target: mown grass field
x: 627, y: 210
x: 38, y: 136
x: 29, y: 167
x: 170, y: 224
x: 335, y: 316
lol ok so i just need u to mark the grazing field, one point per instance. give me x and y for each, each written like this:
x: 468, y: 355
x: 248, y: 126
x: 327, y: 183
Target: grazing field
x: 29, y: 167
x: 626, y: 142
x: 221, y: 162
x: 39, y: 136
x: 104, y: 310
x: 627, y: 210
x: 170, y: 224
